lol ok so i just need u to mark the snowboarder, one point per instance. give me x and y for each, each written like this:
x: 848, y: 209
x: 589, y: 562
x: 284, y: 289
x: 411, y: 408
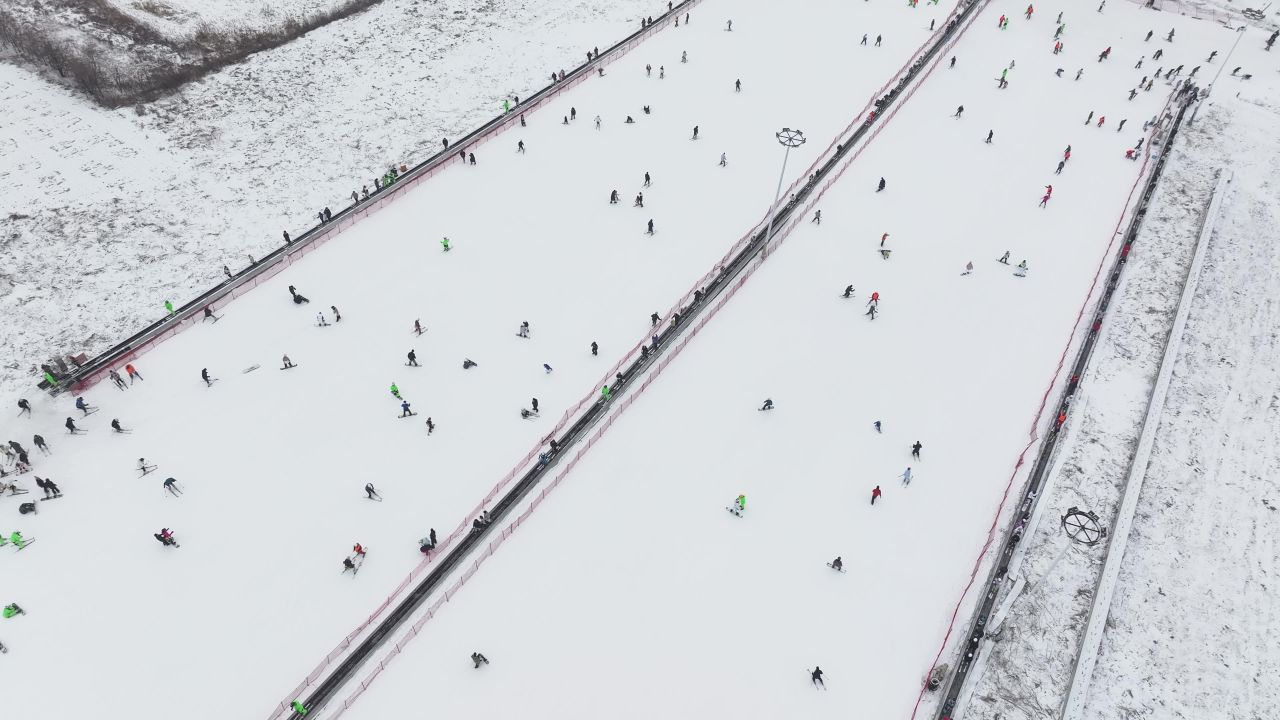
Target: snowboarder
x: 837, y: 564
x: 12, y: 609
x: 646, y: 179
x: 165, y: 536
x: 768, y: 404
x: 876, y: 425
x: 520, y: 146
x: 479, y: 659
x: 695, y: 133
x: 431, y: 427
x: 724, y: 160
x: 906, y: 477
x: 613, y: 197
x: 286, y: 363
x: 990, y: 134
x: 524, y: 330
x: 875, y: 494
x: 404, y: 409
x: 848, y: 291
x: 1004, y: 258
x: 320, y: 321
x: 444, y: 245
x: 968, y: 268
x: 959, y: 111
x: 650, y: 230
x: 337, y: 316
x: 1089, y: 119
x: 413, y: 359
x: 370, y: 493
x: 872, y: 312
x: 741, y: 503
x: 915, y: 449
x: 1022, y: 269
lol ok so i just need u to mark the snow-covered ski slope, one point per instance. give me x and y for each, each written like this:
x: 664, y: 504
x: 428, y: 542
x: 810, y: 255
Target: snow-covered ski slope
x: 631, y: 593
x: 272, y: 462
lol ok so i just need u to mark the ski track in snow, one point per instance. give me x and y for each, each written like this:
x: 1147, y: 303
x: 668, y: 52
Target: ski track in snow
x: 1186, y: 633
x: 107, y: 214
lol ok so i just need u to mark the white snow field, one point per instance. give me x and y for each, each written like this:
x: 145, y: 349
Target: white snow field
x: 272, y: 462
x: 631, y: 593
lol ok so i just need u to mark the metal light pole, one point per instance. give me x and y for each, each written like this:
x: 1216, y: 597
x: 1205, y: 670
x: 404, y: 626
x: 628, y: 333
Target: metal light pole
x: 1225, y: 61
x: 788, y: 138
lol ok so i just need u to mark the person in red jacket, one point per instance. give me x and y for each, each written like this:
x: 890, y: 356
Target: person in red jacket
x: 132, y: 373
x: 875, y: 494
x: 875, y: 299
x: 358, y: 549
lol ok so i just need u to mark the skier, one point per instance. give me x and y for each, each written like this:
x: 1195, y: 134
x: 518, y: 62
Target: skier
x: 848, y: 291
x: 51, y: 489
x: 204, y: 375
x: 1101, y: 119
x: 880, y: 186
x: 604, y: 393
x: 115, y: 378
x: 171, y: 486
x: 650, y: 230
x: 817, y: 218
x: 431, y: 427
x: 337, y: 316
x: 165, y: 536
x: 959, y: 111
x: 1170, y: 37
x: 1121, y: 126
x: 1061, y: 164
x: 41, y: 444
x: 524, y: 330
x: 404, y: 409
x: 816, y: 676
x: 413, y: 359
x: 906, y: 478
x: 208, y: 315
x: 695, y: 133
x: 990, y: 134
x: 371, y: 493
x: 875, y: 494
x: 417, y: 327
x: 684, y: 56
x: 83, y: 406
x: 737, y: 86
x: 1079, y: 73
x: 347, y: 564
x: 724, y: 161
x: 1148, y: 37
x: 872, y: 312
x: 71, y: 427
x: 115, y: 425
x: 597, y: 122
x: 520, y: 146
x: 12, y: 609
x: 1089, y: 119
x: 143, y: 467
x: 646, y: 179
x: 741, y: 502
x: 1044, y: 201
x: 953, y: 62
x: 613, y: 197
x: 25, y: 407
x: 639, y: 200
x: 444, y: 245
x: 876, y: 425
x: 471, y: 157
x: 915, y: 449
x: 878, y: 38
x: 875, y: 299
x: 168, y: 306
x: 479, y: 658
x: 768, y: 404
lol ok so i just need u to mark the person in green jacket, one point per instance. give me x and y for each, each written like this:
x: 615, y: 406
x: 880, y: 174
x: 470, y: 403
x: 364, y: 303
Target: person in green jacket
x: 742, y: 503
x: 12, y: 609
x: 604, y: 392
x: 395, y: 391
x: 49, y: 379
x: 298, y: 708
x: 445, y: 244
x: 16, y: 538
x: 168, y: 306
